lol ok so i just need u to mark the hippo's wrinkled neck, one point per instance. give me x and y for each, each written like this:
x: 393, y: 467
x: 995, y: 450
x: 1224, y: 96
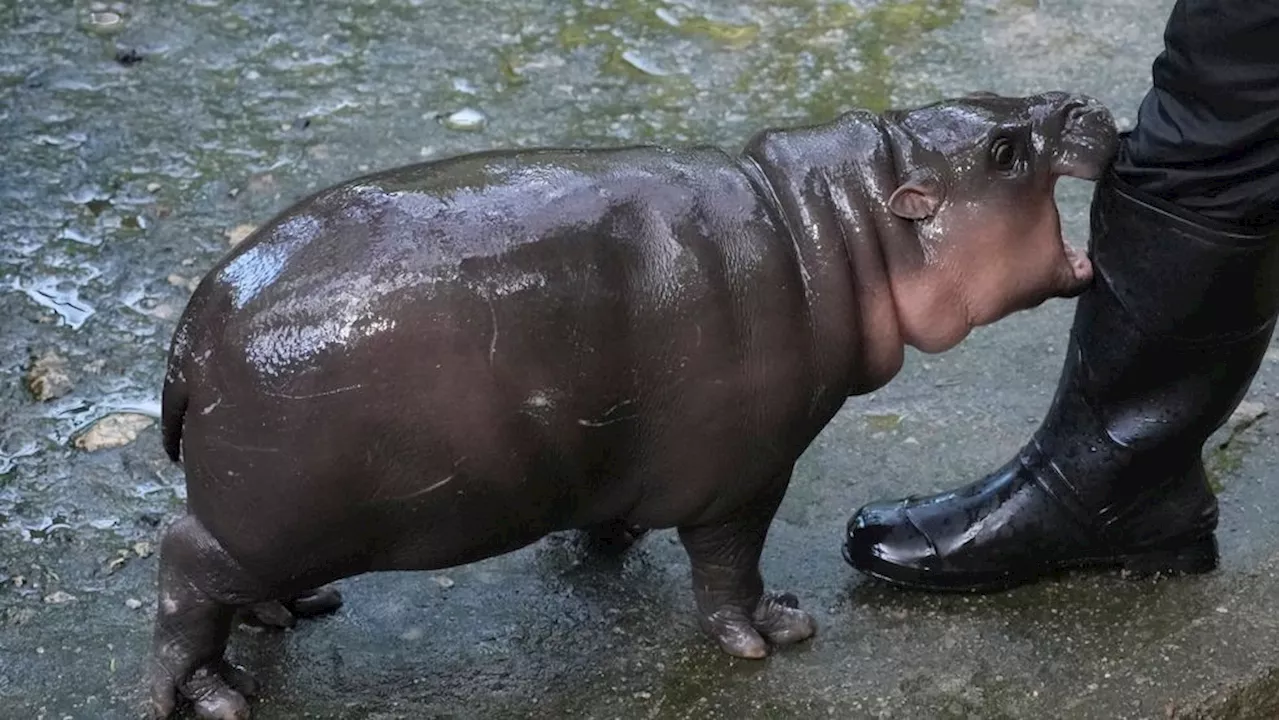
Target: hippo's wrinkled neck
x: 830, y: 185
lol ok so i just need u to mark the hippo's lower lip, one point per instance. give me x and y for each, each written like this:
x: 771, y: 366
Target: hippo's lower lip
x: 1081, y: 268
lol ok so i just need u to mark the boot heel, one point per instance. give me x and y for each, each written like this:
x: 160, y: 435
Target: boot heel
x: 1199, y: 556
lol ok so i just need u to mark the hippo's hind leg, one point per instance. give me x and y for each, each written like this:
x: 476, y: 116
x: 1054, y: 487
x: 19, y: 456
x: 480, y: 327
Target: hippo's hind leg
x: 200, y: 587
x: 732, y: 605
x: 285, y: 613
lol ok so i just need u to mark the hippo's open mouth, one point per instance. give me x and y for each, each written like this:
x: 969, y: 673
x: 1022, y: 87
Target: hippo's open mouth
x: 1081, y: 268
x: 1076, y: 260
x: 1088, y: 143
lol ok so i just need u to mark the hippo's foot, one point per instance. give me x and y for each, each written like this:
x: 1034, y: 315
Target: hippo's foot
x: 732, y: 605
x: 200, y: 588
x: 612, y: 538
x: 777, y: 620
x: 285, y: 613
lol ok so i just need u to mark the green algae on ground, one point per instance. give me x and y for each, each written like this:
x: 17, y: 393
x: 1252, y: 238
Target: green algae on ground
x: 605, y: 21
x: 883, y: 421
x: 797, y: 60
x: 1224, y: 460
x: 833, y: 57
x: 1227, y: 456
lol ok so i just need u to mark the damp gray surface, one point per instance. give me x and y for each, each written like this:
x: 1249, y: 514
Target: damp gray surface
x: 138, y: 137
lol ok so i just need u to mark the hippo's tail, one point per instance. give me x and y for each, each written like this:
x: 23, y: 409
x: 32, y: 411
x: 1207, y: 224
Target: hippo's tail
x: 173, y: 399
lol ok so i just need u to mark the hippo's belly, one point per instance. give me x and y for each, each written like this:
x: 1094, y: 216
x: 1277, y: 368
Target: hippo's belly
x: 423, y: 390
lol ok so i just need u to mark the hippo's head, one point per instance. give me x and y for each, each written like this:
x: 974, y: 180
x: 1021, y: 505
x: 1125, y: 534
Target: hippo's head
x: 976, y: 178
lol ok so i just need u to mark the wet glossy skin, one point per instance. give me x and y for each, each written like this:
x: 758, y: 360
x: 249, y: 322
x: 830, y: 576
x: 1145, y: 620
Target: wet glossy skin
x: 439, y: 363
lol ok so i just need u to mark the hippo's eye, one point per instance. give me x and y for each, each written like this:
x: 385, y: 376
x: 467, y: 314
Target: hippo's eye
x: 1004, y: 153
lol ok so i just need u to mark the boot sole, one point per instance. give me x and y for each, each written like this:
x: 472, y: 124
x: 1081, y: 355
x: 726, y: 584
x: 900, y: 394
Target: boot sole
x: 1196, y: 557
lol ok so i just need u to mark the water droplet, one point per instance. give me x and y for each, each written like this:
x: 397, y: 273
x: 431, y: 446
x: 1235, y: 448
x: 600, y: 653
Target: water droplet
x: 466, y: 119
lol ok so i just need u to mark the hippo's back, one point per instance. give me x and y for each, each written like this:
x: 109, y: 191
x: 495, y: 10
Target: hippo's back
x: 470, y: 315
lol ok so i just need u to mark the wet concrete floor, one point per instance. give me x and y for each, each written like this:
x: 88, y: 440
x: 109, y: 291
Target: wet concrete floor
x: 139, y: 137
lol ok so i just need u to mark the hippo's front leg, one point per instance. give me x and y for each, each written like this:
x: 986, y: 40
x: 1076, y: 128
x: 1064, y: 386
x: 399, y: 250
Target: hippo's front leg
x: 732, y: 605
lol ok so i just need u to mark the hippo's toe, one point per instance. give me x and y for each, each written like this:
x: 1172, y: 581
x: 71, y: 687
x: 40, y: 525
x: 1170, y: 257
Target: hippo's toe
x: 320, y: 601
x: 733, y: 630
x: 780, y: 619
x: 213, y: 696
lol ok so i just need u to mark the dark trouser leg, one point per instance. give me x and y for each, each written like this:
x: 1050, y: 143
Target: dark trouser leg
x: 1205, y: 140
x: 1162, y: 348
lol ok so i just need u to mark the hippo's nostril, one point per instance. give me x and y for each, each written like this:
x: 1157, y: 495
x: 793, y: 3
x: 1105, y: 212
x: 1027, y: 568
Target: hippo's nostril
x: 1077, y: 110
x: 1086, y: 111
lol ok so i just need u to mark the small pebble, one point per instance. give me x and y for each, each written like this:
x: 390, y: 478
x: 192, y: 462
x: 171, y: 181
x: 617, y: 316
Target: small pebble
x: 179, y: 281
x: 113, y: 431
x: 129, y: 57
x: 48, y: 379
x: 444, y: 582
x: 466, y: 119
x: 59, y: 597
x: 133, y: 603
x: 105, y: 19
x: 643, y: 64
x: 667, y: 17
x: 237, y: 234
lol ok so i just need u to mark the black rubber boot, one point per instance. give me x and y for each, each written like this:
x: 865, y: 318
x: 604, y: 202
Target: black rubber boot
x: 1163, y: 347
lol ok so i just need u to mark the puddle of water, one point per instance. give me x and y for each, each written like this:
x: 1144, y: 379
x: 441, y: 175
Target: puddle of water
x: 53, y: 294
x: 9, y: 459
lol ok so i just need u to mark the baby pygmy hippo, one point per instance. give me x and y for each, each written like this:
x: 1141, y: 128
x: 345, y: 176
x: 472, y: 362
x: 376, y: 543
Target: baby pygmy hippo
x: 439, y: 363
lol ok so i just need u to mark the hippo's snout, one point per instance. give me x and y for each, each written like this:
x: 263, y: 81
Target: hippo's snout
x: 1089, y: 115
x: 1088, y: 139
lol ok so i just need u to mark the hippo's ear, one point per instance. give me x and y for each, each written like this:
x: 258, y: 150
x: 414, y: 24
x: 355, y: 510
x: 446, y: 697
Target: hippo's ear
x: 917, y: 198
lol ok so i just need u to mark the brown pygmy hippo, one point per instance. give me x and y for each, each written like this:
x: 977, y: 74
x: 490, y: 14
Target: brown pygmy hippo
x: 443, y: 362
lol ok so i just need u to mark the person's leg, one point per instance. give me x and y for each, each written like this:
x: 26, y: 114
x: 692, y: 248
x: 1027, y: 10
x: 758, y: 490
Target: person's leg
x: 1162, y: 348
x: 1206, y: 133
